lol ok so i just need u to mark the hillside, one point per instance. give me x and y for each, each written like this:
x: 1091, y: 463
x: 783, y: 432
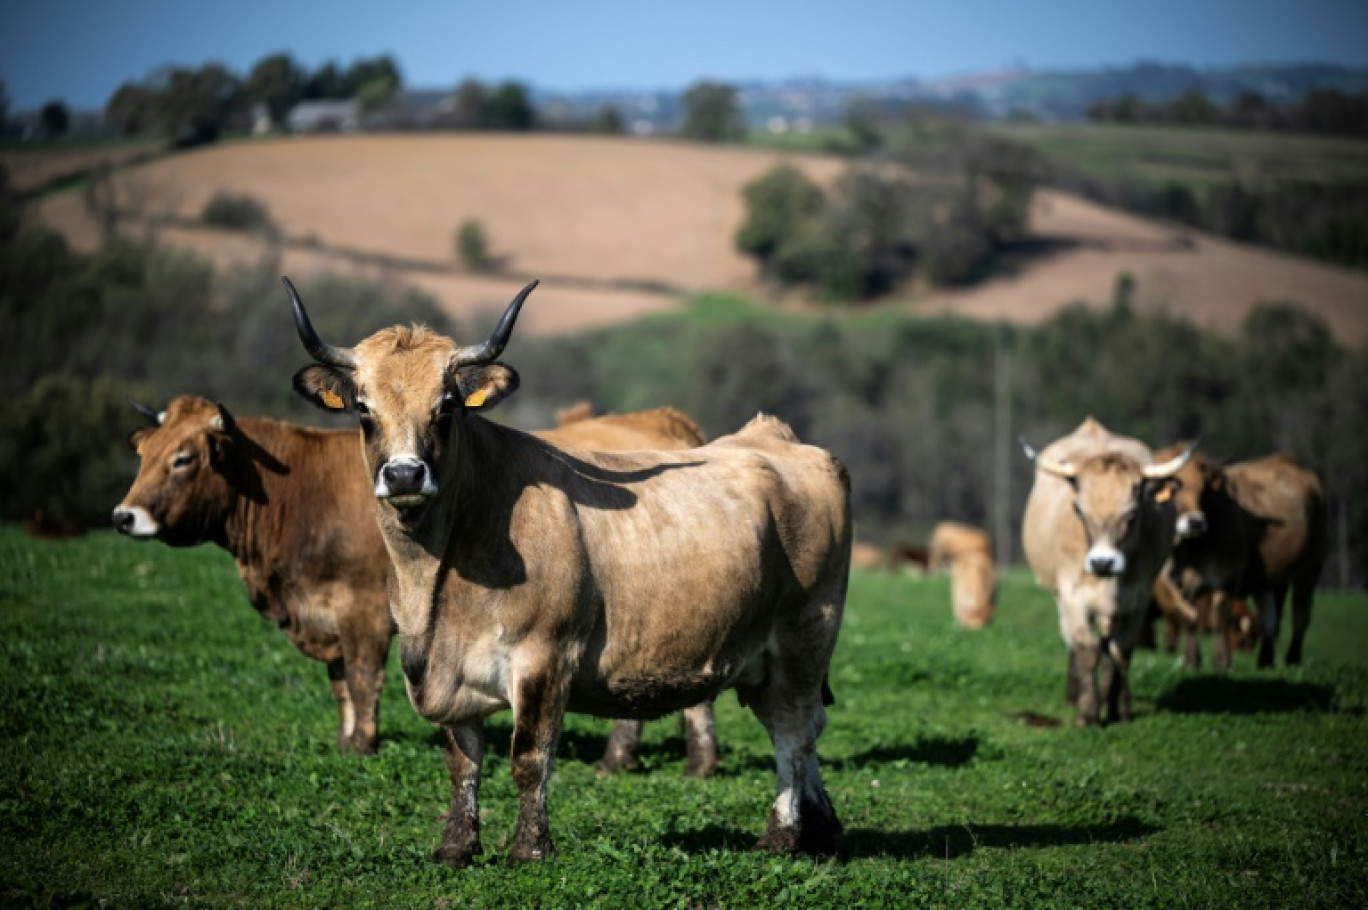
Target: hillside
x: 618, y: 228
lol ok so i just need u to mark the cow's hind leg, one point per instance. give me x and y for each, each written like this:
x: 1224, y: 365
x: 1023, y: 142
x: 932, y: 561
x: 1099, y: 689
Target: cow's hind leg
x: 1303, y: 593
x: 463, y: 747
x: 365, y: 673
x: 346, y: 710
x: 1116, y: 682
x: 1270, y: 617
x: 621, y: 752
x: 700, y: 736
x: 1071, y: 680
x: 538, y: 711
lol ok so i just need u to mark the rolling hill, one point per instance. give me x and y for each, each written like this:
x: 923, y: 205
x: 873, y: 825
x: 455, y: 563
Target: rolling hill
x: 621, y: 227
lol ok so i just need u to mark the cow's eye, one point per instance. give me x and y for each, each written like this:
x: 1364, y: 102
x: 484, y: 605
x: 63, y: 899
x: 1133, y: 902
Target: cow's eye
x: 361, y: 409
x: 182, y: 460
x: 446, y: 407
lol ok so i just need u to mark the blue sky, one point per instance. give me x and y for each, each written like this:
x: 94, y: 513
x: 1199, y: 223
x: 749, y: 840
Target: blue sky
x: 81, y: 50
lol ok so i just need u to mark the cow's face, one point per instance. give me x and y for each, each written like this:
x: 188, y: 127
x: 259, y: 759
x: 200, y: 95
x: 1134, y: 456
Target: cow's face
x: 1111, y: 496
x: 411, y: 391
x: 182, y: 492
x: 1194, y: 483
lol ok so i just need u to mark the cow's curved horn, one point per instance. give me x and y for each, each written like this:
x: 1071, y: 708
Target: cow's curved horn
x: 153, y: 415
x: 1057, y: 468
x: 318, y: 349
x: 483, y: 353
x: 1170, y: 467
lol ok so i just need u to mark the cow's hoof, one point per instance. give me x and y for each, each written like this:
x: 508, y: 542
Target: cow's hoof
x: 700, y: 766
x: 530, y: 850
x: 365, y: 745
x: 779, y: 841
x: 457, y: 856
x: 1084, y: 720
x: 607, y: 767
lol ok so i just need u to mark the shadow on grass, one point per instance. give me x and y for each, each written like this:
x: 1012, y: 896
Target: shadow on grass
x: 943, y: 841
x: 1223, y: 695
x: 937, y: 751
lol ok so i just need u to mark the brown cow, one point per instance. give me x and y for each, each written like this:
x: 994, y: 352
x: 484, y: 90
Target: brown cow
x: 1253, y: 530
x: 1187, y: 621
x: 617, y: 584
x: 973, y: 575
x: 662, y: 428
x: 952, y: 538
x: 295, y: 510
x: 1096, y: 534
x: 865, y: 555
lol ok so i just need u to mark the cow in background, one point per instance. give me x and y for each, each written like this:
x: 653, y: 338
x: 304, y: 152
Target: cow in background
x: 577, y: 427
x: 295, y: 510
x: 1096, y: 532
x: 1254, y: 530
x: 973, y: 574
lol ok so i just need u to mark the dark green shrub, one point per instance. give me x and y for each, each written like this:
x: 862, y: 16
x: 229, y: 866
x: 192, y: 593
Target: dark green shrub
x: 237, y: 212
x: 472, y: 248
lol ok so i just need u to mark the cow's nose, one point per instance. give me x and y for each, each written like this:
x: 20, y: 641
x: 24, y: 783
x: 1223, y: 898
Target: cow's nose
x: 1102, y: 566
x: 123, y: 520
x: 1192, y: 524
x: 404, y: 477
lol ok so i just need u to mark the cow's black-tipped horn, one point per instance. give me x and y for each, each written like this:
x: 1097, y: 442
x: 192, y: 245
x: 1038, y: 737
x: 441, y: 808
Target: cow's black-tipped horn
x: 483, y: 353
x: 318, y: 349
x: 1170, y: 467
x: 153, y: 415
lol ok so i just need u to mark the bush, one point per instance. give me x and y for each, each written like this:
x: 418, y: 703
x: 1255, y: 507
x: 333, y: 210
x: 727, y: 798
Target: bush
x: 471, y: 246
x: 237, y: 212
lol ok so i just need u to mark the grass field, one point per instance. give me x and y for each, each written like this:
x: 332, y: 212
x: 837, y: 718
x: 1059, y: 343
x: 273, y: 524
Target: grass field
x: 164, y: 746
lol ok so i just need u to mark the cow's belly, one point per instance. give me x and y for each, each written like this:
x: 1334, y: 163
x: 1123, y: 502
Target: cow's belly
x: 313, y: 630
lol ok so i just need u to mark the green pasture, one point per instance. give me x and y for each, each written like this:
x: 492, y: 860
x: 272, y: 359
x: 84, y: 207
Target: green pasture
x: 1158, y: 155
x: 162, y: 745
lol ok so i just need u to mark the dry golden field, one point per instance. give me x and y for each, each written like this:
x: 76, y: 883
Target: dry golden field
x: 619, y: 227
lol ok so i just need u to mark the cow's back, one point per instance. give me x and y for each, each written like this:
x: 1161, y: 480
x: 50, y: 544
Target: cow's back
x: 1051, y: 535
x: 661, y: 428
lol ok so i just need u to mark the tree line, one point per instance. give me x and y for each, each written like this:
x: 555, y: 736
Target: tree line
x: 907, y: 404
x: 1327, y: 111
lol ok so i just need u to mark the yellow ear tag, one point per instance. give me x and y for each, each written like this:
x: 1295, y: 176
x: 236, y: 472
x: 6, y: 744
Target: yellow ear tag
x: 138, y: 450
x: 331, y: 399
x: 1164, y: 495
x: 477, y: 397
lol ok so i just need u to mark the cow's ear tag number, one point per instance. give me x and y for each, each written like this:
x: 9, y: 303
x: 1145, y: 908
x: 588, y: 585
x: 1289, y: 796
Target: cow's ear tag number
x: 477, y: 397
x: 331, y: 399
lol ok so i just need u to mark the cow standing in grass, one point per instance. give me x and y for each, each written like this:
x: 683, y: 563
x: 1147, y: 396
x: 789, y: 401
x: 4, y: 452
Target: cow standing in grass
x: 1251, y: 530
x: 294, y: 509
x: 973, y: 575
x: 622, y: 585
x: 660, y: 428
x: 1097, y: 530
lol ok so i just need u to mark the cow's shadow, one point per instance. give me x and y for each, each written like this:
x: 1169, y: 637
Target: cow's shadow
x: 942, y: 841
x: 1223, y: 695
x: 937, y: 751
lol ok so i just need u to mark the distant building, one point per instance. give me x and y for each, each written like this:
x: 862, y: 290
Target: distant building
x: 324, y: 117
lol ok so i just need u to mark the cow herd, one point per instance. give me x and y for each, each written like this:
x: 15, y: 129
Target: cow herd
x: 624, y: 567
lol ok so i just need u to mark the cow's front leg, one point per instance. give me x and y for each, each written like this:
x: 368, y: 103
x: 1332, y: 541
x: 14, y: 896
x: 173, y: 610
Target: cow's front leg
x: 346, y: 710
x: 538, y: 710
x: 1220, y: 620
x: 1116, y: 682
x: 365, y: 682
x: 1085, y: 675
x: 463, y: 746
x: 1071, y: 680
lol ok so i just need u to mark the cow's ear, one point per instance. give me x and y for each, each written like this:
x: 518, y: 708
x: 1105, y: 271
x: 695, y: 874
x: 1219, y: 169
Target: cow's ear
x: 327, y: 387
x: 483, y: 386
x: 138, y: 437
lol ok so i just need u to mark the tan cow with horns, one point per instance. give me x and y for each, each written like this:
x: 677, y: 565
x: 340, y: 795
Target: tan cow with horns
x: 621, y: 585
x: 1097, y: 530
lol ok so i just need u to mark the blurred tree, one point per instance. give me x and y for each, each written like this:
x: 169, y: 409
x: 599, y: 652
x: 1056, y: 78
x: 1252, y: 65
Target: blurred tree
x: 472, y: 248
x: 711, y: 113
x: 861, y: 120
x: 471, y: 99
x: 509, y: 108
x: 607, y: 119
x: 326, y: 84
x: 197, y: 105
x: 1193, y: 108
x: 375, y: 94
x: 780, y: 204
x: 132, y: 109
x: 4, y: 107
x: 278, y: 82
x: 365, y: 71
x: 55, y: 119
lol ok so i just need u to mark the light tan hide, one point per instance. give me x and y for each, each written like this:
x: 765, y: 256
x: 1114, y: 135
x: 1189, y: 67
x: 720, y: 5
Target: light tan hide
x: 623, y: 585
x: 1097, y: 540
x: 973, y: 589
x: 661, y: 429
x: 951, y: 538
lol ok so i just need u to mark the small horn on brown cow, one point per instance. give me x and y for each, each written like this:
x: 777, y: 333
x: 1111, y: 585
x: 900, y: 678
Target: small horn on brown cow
x: 1170, y: 467
x: 318, y: 349
x: 483, y: 353
x: 153, y: 416
x: 1057, y: 468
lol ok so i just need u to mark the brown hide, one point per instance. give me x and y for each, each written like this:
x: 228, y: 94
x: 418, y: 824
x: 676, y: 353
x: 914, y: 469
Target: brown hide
x: 621, y: 584
x: 973, y: 589
x: 1109, y: 510
x: 950, y: 539
x: 293, y: 507
x: 1263, y: 534
x: 865, y: 555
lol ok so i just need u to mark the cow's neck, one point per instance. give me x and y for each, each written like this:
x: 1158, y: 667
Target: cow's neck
x: 432, y: 558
